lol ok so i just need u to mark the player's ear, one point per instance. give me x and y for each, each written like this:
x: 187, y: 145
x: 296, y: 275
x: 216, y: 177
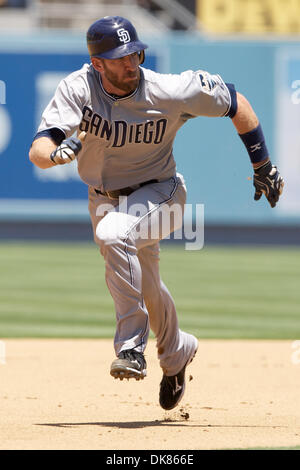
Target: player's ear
x: 97, y: 64
x: 141, y: 57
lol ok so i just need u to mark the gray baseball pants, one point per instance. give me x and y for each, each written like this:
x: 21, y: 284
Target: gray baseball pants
x: 128, y: 232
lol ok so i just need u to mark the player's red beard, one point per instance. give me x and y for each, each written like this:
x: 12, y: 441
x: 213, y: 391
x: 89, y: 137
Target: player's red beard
x: 127, y: 83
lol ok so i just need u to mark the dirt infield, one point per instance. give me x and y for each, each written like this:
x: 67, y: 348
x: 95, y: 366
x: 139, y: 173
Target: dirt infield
x: 58, y: 394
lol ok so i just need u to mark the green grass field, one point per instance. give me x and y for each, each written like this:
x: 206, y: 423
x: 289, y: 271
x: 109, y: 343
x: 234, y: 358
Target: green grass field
x: 58, y: 290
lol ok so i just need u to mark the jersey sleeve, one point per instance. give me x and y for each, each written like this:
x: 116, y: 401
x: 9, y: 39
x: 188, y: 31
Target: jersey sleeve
x: 204, y: 94
x: 64, y: 111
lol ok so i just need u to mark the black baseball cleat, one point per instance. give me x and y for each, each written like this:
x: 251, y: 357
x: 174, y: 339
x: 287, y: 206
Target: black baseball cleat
x: 172, y: 387
x: 130, y: 364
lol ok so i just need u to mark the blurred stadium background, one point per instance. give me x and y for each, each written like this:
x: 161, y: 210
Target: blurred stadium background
x: 244, y: 283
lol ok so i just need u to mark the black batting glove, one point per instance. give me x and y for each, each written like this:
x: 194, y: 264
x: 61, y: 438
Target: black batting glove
x: 267, y: 180
x: 66, y: 151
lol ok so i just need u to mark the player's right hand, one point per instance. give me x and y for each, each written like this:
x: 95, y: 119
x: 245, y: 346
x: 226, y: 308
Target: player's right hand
x: 267, y: 180
x: 67, y: 150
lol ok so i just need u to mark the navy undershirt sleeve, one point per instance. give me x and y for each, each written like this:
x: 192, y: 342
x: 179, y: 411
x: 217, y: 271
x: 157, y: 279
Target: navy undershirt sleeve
x: 56, y: 134
x: 233, y: 108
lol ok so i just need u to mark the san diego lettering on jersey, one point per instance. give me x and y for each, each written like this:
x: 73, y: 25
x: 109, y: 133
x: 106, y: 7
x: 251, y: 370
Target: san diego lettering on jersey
x: 120, y: 133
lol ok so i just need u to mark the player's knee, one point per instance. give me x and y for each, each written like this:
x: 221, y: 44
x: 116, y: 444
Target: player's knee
x: 110, y: 230
x: 105, y: 236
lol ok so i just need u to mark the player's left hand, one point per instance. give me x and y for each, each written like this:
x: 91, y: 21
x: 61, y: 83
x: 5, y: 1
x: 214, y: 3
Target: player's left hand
x: 67, y: 150
x: 267, y: 180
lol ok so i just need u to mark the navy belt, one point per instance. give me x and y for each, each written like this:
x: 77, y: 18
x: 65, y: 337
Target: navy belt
x: 115, y: 193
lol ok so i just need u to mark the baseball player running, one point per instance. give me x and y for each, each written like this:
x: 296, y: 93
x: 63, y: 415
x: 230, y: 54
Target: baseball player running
x: 126, y: 118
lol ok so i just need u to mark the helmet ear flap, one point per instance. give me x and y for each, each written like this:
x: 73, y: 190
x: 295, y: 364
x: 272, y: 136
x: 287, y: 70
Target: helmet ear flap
x: 142, y: 57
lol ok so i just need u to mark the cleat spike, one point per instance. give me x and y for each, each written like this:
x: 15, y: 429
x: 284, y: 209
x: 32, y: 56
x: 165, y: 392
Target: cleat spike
x: 130, y: 364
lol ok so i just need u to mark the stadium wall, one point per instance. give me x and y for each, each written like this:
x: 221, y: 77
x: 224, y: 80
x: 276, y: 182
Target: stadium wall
x: 208, y: 153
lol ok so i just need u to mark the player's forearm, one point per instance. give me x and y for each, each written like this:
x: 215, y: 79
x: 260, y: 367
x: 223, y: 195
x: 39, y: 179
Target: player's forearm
x: 40, y: 152
x: 245, y: 120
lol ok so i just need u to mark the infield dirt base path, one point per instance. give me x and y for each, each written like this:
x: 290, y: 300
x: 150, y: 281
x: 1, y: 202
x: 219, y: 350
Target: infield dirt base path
x: 58, y: 394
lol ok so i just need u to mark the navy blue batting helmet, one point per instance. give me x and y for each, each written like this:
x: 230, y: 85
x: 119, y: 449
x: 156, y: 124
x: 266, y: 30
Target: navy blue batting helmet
x: 113, y: 37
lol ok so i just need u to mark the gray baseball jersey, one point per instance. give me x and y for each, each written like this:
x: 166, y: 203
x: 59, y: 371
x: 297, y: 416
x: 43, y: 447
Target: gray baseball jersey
x: 130, y: 140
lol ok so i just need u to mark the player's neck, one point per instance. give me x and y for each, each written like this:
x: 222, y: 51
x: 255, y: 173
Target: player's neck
x: 112, y: 90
